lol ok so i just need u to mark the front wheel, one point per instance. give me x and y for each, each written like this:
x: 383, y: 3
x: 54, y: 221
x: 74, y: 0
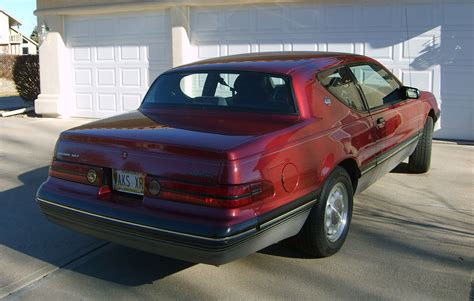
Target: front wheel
x: 327, y: 225
x: 420, y: 160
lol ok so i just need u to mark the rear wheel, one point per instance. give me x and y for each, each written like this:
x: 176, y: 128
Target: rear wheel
x: 420, y: 160
x: 327, y: 225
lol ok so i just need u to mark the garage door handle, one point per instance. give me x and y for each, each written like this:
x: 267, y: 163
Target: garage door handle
x: 380, y: 122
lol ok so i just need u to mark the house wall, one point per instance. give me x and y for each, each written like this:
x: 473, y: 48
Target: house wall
x: 32, y: 49
x: 4, y: 29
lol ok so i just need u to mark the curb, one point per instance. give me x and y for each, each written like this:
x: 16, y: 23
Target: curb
x: 453, y: 142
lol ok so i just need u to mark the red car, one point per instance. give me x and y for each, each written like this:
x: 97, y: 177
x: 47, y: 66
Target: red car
x: 229, y: 155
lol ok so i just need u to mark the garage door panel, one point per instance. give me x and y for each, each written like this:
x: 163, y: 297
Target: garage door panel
x: 379, y: 17
x: 237, y: 19
x: 112, y: 62
x: 83, y: 78
x: 265, y: 47
x: 458, y: 14
x: 420, y: 15
x: 238, y: 48
x: 131, y: 77
x: 458, y: 82
x: 421, y: 79
x: 379, y: 53
x: 78, y: 28
x: 105, y: 54
x: 106, y: 77
x: 339, y: 17
x: 84, y: 101
x: 270, y: 19
x: 102, y: 26
x: 341, y: 47
x: 457, y: 121
x: 129, y: 53
x: 82, y: 54
x: 107, y: 101
x: 458, y: 47
x: 130, y: 101
x: 304, y: 18
x: 305, y: 47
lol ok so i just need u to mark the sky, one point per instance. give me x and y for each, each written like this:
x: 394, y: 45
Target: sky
x: 22, y: 10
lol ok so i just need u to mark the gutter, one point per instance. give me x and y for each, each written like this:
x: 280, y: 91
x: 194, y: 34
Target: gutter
x: 147, y: 6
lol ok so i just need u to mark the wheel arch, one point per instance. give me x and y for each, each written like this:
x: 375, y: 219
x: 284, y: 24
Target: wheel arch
x: 350, y: 165
x: 432, y: 114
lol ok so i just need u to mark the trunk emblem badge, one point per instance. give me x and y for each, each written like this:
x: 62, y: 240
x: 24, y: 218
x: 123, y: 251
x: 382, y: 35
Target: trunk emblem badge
x: 91, y: 176
x: 124, y: 155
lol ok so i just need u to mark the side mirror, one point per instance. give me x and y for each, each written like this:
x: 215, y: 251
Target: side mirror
x: 410, y: 93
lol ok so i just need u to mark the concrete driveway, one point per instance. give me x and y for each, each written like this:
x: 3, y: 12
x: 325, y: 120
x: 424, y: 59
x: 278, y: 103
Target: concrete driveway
x: 412, y: 237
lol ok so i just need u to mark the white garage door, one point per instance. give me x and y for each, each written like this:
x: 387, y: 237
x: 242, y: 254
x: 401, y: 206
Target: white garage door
x: 435, y: 54
x: 114, y: 58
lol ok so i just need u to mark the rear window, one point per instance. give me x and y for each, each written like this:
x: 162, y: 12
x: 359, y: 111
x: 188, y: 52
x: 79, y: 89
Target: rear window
x: 223, y: 90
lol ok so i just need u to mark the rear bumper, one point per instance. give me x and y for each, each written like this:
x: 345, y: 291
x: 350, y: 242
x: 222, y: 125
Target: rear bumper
x: 179, y: 245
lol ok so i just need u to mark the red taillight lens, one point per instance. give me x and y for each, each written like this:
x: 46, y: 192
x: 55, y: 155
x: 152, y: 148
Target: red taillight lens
x: 104, y: 194
x: 77, y: 173
x: 224, y: 196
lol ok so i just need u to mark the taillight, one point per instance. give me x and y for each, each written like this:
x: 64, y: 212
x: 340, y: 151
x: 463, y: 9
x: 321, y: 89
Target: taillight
x: 77, y: 173
x: 224, y: 196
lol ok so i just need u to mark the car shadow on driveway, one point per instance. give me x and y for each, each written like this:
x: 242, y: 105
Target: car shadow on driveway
x: 26, y: 232
x: 129, y: 267
x: 29, y: 242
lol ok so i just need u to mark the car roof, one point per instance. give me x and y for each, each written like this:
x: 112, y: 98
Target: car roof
x: 284, y: 62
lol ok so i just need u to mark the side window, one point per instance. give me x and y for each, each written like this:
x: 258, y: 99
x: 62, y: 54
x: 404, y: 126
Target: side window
x: 339, y: 82
x: 378, y: 86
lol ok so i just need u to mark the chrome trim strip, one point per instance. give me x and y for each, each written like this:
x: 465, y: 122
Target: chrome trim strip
x: 368, y: 169
x: 407, y: 143
x: 394, y: 152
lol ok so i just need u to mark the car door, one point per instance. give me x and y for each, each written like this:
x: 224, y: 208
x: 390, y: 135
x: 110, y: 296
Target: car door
x: 395, y: 118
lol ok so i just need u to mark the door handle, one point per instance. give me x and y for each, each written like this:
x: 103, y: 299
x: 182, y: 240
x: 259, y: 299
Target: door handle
x: 380, y: 122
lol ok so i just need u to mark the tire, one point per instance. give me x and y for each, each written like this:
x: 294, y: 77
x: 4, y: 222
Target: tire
x: 420, y: 160
x: 315, y: 238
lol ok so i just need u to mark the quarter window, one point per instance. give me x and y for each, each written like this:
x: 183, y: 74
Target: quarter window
x: 339, y: 82
x: 379, y: 86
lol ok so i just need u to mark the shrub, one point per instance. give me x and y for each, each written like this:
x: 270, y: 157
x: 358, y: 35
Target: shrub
x: 26, y: 76
x: 6, y: 66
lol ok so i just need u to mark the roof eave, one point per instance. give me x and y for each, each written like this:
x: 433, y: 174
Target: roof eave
x: 15, y: 20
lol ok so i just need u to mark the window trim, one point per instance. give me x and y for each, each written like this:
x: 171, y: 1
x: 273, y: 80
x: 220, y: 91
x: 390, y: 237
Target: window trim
x: 361, y: 96
x: 205, y: 70
x: 383, y: 106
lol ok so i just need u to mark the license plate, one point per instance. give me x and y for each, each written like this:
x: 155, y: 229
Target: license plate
x: 128, y: 181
